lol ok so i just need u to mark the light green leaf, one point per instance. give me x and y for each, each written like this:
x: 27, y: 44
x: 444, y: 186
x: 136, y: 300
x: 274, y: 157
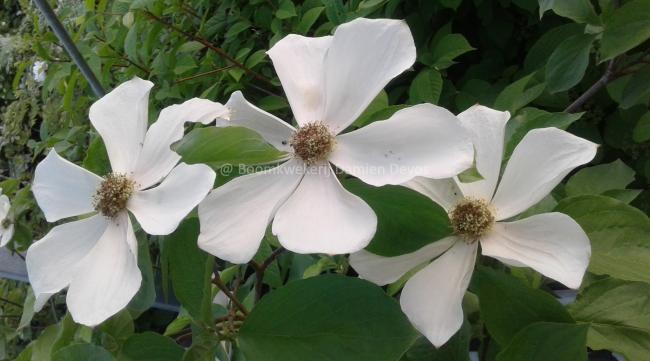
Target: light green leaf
x: 326, y: 318
x: 379, y: 103
x: 82, y: 351
x: 308, y: 19
x: 626, y: 28
x: 131, y: 44
x: 618, y: 314
x: 568, y: 63
x: 508, y: 306
x: 237, y: 28
x: 641, y: 131
x: 190, y: 47
x: 544, y: 341
x: 447, y: 49
x: 600, y: 178
x: 151, y: 346
x: 619, y: 235
x: 286, y: 10
x: 406, y: 220
x: 232, y: 145
x: 255, y: 58
x: 426, y: 87
x: 520, y: 93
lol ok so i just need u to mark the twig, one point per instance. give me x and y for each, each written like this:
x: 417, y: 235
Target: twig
x: 606, y: 78
x: 203, y: 74
x: 10, y: 302
x: 219, y: 283
x: 260, y: 269
x: 123, y: 56
x: 209, y: 45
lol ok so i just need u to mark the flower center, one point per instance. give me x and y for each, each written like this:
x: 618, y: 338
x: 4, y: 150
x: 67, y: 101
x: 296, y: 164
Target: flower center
x: 113, y: 194
x: 471, y: 219
x: 313, y: 142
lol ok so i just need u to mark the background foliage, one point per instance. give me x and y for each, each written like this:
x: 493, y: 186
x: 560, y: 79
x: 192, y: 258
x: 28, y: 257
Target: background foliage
x: 579, y: 65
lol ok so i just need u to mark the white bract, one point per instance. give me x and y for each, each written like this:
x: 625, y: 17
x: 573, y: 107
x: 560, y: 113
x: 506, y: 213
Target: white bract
x: 96, y: 257
x: 329, y: 82
x: 6, y: 225
x: 551, y: 243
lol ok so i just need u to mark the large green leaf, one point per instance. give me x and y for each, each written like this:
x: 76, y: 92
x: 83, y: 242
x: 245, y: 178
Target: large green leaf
x: 150, y: 346
x: 448, y: 48
x: 545, y: 341
x: 538, y: 54
x: 580, y: 11
x: 618, y: 314
x: 426, y: 87
x: 82, y: 351
x: 190, y: 269
x: 456, y: 349
x: 232, y: 145
x: 520, y: 93
x: 626, y: 28
x: 326, y: 318
x: 636, y: 91
x: 568, y: 63
x: 600, y: 179
x: 406, y: 220
x: 508, y: 306
x: 619, y: 235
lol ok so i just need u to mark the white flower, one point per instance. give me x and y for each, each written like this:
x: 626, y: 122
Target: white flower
x: 96, y: 257
x: 38, y: 71
x: 551, y: 243
x: 6, y: 226
x: 329, y: 81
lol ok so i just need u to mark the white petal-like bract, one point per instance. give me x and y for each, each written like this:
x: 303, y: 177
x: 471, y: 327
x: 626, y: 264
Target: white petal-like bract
x: 63, y: 189
x: 422, y: 140
x: 553, y: 244
x: 234, y: 217
x: 323, y: 217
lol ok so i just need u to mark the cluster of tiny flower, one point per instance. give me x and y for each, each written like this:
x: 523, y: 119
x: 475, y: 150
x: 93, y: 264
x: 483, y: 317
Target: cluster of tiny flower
x: 329, y: 81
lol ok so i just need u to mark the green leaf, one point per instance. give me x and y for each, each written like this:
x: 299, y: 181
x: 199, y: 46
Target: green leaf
x: 426, y: 87
x: 636, y: 90
x: 568, y: 63
x: 190, y: 269
x: 619, y: 235
x: 151, y: 346
x: 219, y: 146
x: 190, y: 47
x: 447, y: 49
x: 237, y: 28
x: 618, y: 314
x: 255, y: 58
x: 308, y: 19
x: 326, y: 318
x: 131, y: 44
x: 626, y: 28
x: 406, y: 219
x: 641, y: 131
x: 580, y: 11
x: 335, y: 11
x: 379, y: 103
x: 83, y: 351
x: 520, y: 93
x: 286, y: 10
x: 470, y: 175
x: 544, y: 341
x: 146, y: 295
x: 538, y: 54
x: 600, y: 178
x: 508, y: 306
x: 382, y: 114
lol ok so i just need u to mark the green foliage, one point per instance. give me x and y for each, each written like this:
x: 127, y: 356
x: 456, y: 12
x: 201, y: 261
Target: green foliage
x: 547, y: 341
x: 326, y: 318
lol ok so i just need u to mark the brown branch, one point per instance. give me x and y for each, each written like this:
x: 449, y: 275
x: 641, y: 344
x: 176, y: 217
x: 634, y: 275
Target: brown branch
x: 217, y: 281
x: 2, y: 299
x: 260, y: 269
x: 123, y: 56
x: 209, y: 45
x: 215, y: 71
x: 595, y: 88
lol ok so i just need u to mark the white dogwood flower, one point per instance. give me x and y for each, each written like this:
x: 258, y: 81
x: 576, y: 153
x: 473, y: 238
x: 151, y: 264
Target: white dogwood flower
x: 329, y: 82
x: 96, y: 257
x: 553, y: 244
x: 6, y: 225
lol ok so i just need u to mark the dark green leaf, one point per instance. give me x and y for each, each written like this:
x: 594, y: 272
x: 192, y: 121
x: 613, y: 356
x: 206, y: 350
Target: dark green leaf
x: 96, y: 159
x: 447, y: 49
x: 151, y: 346
x: 520, y: 93
x: 642, y: 129
x: 426, y: 87
x: 600, y: 178
x: 83, y: 351
x: 636, y: 91
x: 568, y: 63
x: 456, y: 349
x: 326, y: 318
x: 544, y: 341
x: 508, y: 306
x: 406, y: 220
x: 308, y: 19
